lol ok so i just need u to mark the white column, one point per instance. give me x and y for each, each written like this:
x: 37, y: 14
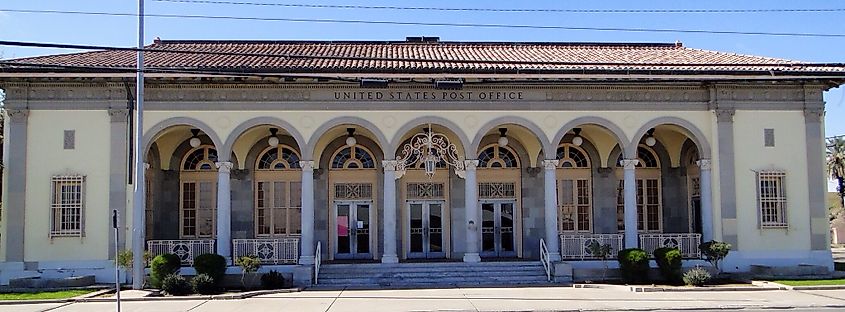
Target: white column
x: 550, y: 187
x: 630, y: 185
x: 224, y: 210
x: 389, y: 255
x: 706, y: 200
x: 472, y: 213
x: 306, y: 241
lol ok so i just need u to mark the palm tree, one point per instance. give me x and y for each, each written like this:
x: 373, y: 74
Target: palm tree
x: 836, y: 164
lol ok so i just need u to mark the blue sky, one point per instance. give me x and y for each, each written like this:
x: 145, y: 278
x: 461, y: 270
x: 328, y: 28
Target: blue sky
x: 120, y: 31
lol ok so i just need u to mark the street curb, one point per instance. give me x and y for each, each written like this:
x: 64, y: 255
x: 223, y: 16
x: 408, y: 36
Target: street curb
x: 91, y: 297
x: 641, y: 288
x: 788, y: 287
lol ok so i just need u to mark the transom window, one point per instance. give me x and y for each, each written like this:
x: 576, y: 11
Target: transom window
x: 571, y: 156
x: 495, y: 156
x: 278, y: 158
x: 200, y: 159
x: 353, y: 157
x: 646, y: 156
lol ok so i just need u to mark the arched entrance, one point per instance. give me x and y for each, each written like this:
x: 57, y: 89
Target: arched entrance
x: 198, y: 193
x: 500, y: 200
x: 353, y: 217
x: 278, y: 193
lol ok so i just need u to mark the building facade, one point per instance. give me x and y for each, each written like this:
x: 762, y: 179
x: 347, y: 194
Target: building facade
x: 414, y: 151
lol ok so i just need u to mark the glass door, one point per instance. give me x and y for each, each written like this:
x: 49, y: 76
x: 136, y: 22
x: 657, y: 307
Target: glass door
x: 353, y: 230
x: 426, y: 230
x: 498, y: 234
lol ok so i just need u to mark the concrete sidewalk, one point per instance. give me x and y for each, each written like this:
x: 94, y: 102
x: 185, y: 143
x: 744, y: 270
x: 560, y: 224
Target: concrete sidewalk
x: 480, y: 299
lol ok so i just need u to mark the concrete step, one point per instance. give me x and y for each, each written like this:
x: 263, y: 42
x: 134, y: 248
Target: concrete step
x: 329, y: 271
x: 432, y: 274
x: 427, y: 274
x: 435, y: 280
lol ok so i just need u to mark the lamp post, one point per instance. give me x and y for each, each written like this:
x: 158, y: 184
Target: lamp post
x: 138, y: 213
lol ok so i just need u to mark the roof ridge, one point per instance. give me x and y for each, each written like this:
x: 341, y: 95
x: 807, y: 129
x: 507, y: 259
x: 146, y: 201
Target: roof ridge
x: 364, y: 42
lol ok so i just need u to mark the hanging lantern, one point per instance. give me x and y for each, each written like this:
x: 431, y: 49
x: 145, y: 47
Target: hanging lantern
x: 273, y: 140
x: 195, y: 140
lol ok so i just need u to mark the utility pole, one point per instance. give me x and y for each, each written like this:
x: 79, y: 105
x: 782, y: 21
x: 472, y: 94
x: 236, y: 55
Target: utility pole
x: 138, y: 204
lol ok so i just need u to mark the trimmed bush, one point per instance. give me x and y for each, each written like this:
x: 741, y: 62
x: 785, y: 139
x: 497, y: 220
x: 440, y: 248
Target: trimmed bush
x: 714, y: 252
x: 669, y: 262
x: 213, y: 265
x: 204, y: 284
x: 162, y: 266
x: 696, y: 277
x: 175, y: 285
x: 272, y: 280
x: 633, y: 264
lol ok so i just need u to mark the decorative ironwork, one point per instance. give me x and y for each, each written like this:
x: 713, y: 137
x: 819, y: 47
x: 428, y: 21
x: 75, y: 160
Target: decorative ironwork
x: 353, y: 190
x: 496, y: 190
x: 577, y: 246
x: 185, y: 249
x: 687, y: 243
x: 425, y: 190
x: 429, y: 148
x: 268, y: 251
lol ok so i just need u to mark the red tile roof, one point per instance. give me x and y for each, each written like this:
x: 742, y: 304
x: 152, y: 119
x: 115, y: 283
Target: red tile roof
x: 360, y: 57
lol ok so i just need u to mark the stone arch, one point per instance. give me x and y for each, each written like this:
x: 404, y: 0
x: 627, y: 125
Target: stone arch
x: 614, y: 130
x: 226, y: 148
x: 517, y: 121
x: 434, y: 120
x: 309, y: 150
x: 154, y: 131
x: 693, y: 134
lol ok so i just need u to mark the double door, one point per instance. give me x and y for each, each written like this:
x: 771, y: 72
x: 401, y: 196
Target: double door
x: 353, y: 220
x: 426, y: 229
x: 498, y: 230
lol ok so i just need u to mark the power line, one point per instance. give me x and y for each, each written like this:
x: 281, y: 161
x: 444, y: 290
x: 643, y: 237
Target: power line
x: 361, y: 58
x: 510, y: 10
x: 463, y: 25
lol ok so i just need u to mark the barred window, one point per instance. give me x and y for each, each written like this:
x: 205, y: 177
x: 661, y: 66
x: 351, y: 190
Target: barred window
x: 488, y: 190
x: 353, y: 191
x: 425, y: 190
x: 68, y: 206
x: 771, y: 198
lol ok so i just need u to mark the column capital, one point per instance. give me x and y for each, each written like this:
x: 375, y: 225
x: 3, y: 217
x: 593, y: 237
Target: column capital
x: 629, y: 164
x: 306, y: 164
x: 551, y: 164
x: 704, y: 164
x: 118, y: 114
x: 470, y: 164
x: 18, y: 115
x: 224, y: 166
x: 389, y: 165
x: 147, y: 165
x: 725, y: 115
x: 813, y: 114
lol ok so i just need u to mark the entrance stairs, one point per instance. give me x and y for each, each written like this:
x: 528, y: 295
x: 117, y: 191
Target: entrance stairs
x: 431, y: 274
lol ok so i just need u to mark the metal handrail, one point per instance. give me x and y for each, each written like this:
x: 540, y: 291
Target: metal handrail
x: 317, y: 260
x: 544, y: 258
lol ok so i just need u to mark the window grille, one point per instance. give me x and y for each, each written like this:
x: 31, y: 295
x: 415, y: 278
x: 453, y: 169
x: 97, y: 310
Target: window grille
x: 771, y: 200
x: 353, y: 191
x: 496, y: 190
x: 425, y: 190
x: 68, y: 206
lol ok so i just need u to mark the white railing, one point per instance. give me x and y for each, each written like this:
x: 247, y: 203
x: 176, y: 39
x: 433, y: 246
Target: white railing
x: 577, y: 246
x: 544, y: 258
x: 268, y: 250
x: 686, y: 242
x: 185, y: 249
x: 317, y: 259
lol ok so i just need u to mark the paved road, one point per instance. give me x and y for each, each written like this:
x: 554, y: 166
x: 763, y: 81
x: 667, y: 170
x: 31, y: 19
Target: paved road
x: 479, y: 299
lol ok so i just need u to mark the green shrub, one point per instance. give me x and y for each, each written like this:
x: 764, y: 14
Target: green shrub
x: 669, y: 262
x: 213, y: 265
x: 633, y: 264
x: 162, y: 266
x: 175, y: 285
x: 714, y: 252
x: 272, y: 280
x: 248, y: 264
x: 696, y: 277
x: 204, y: 284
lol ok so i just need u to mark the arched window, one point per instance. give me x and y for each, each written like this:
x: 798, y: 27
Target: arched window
x: 574, y: 189
x: 495, y: 156
x: 201, y: 158
x: 353, y: 157
x: 198, y: 193
x: 649, y: 192
x: 278, y: 192
x: 278, y: 158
